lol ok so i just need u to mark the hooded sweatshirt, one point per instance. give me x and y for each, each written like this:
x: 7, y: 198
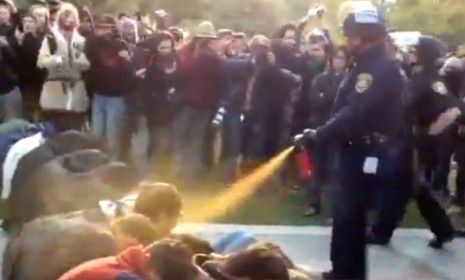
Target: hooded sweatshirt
x: 131, y: 261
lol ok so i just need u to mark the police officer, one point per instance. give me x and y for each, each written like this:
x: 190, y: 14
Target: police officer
x: 453, y: 70
x: 431, y: 109
x: 367, y: 122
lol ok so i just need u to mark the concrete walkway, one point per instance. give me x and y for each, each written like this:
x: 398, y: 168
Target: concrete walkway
x: 408, y: 256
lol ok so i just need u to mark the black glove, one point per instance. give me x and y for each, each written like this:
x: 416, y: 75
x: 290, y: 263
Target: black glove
x: 307, y: 135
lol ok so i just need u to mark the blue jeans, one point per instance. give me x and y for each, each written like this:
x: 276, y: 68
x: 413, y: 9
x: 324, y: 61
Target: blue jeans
x: 232, y: 145
x: 232, y: 134
x: 188, y: 137
x: 11, y: 104
x: 107, y: 118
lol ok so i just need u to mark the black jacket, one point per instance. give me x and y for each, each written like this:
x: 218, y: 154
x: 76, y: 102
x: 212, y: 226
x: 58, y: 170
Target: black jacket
x: 109, y: 74
x: 321, y: 97
x: 8, y: 66
x: 30, y: 76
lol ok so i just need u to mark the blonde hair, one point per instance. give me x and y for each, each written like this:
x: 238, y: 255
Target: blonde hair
x: 67, y: 7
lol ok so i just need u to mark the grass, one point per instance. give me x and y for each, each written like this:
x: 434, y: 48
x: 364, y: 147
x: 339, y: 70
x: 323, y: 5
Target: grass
x: 274, y: 207
x: 284, y: 207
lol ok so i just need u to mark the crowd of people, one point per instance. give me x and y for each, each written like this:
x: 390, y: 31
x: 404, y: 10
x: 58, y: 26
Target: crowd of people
x: 209, y: 98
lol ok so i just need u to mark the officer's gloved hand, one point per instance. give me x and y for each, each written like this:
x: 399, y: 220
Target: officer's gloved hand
x: 307, y: 135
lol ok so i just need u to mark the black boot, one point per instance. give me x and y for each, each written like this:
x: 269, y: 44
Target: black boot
x: 438, y: 241
x: 372, y: 239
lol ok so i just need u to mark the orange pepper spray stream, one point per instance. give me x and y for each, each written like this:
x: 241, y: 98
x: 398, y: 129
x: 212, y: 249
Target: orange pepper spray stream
x: 239, y: 191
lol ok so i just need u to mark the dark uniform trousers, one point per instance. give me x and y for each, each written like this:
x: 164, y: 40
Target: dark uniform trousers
x: 460, y: 158
x: 393, y: 188
x: 394, y: 192
x: 351, y: 198
x: 368, y: 103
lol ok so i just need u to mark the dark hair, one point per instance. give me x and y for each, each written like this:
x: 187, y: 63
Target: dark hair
x: 283, y: 29
x: 172, y: 260
x: 136, y: 226
x: 197, y: 245
x: 335, y: 51
x: 158, y: 198
x: 257, y: 263
x: 275, y: 248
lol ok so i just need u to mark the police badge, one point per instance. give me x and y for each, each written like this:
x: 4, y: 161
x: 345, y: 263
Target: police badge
x: 364, y: 82
x: 439, y: 87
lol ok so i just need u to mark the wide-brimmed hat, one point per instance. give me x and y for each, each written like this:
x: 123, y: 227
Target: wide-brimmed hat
x: 205, y: 29
x: 224, y: 32
x: 105, y: 21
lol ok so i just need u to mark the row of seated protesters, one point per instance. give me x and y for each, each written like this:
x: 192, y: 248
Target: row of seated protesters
x: 133, y: 239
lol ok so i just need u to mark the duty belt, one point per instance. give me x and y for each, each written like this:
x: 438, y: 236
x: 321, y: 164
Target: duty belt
x: 374, y: 138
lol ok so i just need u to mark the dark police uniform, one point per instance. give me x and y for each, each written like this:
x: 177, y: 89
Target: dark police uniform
x: 367, y: 126
x: 366, y: 129
x: 426, y: 98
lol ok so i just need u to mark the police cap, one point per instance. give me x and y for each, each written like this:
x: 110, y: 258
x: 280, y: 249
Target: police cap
x: 364, y: 21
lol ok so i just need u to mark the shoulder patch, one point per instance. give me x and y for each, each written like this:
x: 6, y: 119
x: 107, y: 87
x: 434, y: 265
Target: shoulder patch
x: 439, y: 87
x: 364, y: 82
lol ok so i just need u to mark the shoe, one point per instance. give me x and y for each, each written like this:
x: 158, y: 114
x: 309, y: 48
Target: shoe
x: 328, y: 275
x: 438, y: 242
x: 312, y: 211
x: 372, y: 239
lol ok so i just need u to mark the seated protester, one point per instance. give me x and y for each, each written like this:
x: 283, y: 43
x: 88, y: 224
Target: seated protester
x: 252, y: 264
x: 166, y: 212
x: 33, y: 137
x: 77, y: 234
x: 196, y: 245
x: 164, y: 260
x: 131, y: 230
x: 63, y: 185
x: 233, y: 242
x: 57, y: 145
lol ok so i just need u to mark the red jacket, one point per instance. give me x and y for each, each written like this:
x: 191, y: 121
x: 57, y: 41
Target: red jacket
x: 132, y: 260
x: 205, y: 79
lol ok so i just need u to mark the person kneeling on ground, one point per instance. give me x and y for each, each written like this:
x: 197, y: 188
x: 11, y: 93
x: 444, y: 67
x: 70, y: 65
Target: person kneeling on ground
x: 73, y: 238
x: 253, y: 263
x: 132, y: 230
x: 164, y: 260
